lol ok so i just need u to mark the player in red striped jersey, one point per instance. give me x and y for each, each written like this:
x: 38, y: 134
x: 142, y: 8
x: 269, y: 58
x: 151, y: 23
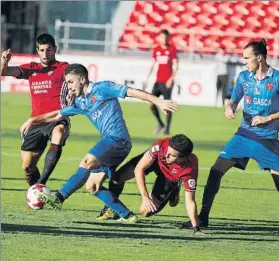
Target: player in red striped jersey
x: 165, y: 56
x: 173, y: 162
x: 48, y: 93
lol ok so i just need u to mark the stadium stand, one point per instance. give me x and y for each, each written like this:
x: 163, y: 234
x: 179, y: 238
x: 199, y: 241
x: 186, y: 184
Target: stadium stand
x: 206, y: 26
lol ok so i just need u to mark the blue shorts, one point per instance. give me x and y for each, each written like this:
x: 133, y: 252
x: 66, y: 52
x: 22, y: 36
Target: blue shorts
x: 240, y: 149
x: 111, y: 151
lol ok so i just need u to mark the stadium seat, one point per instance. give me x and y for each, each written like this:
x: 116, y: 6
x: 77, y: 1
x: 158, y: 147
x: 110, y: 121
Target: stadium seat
x: 238, y: 21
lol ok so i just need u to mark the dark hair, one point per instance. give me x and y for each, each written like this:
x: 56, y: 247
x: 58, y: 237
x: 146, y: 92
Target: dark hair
x: 77, y: 69
x: 182, y: 144
x: 165, y: 32
x: 259, y: 47
x: 45, y: 39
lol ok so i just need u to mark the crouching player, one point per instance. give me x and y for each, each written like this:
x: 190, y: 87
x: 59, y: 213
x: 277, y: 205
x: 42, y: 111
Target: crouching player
x: 173, y: 162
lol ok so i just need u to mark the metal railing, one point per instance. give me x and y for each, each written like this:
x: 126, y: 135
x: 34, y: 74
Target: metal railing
x: 66, y: 37
x: 66, y: 31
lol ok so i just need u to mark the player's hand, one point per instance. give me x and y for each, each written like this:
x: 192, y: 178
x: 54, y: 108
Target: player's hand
x: 70, y: 98
x: 260, y: 120
x: 144, y: 85
x: 6, y: 55
x: 25, y: 127
x: 169, y: 83
x: 148, y: 204
x: 229, y: 113
x: 167, y: 105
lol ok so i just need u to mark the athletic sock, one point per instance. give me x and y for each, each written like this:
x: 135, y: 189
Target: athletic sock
x: 169, y: 117
x: 155, y: 112
x: 276, y: 180
x: 75, y: 182
x: 210, y: 190
x: 32, y: 177
x: 116, y: 189
x: 51, y: 160
x: 112, y: 202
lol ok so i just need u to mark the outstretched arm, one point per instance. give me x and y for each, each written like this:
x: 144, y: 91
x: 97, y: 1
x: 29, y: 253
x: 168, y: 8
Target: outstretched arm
x: 165, y: 105
x: 147, y: 203
x: 8, y: 70
x: 145, y: 83
x: 48, y: 117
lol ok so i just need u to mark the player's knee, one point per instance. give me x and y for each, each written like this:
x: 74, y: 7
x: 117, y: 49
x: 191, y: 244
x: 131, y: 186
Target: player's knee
x: 91, y: 188
x: 57, y: 134
x: 89, y: 162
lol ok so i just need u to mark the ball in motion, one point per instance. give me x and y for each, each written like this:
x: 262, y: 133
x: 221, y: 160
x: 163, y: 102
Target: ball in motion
x: 32, y: 197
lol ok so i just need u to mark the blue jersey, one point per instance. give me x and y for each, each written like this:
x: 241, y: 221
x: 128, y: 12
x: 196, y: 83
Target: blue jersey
x: 261, y: 98
x: 101, y: 106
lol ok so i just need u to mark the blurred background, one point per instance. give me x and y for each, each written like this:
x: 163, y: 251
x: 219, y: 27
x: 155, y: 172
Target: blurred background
x: 209, y: 35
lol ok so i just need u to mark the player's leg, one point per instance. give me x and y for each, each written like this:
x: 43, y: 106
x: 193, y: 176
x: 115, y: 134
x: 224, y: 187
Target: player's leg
x: 94, y: 185
x: 32, y: 147
x: 235, y: 154
x: 117, y: 183
x: 29, y: 165
x: 161, y: 192
x: 175, y: 196
x: 74, y: 183
x: 157, y: 92
x: 167, y: 96
x: 268, y: 158
x: 212, y: 187
x: 275, y: 177
x: 59, y: 133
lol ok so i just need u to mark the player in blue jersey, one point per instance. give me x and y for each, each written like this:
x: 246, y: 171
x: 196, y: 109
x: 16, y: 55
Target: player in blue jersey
x: 99, y: 102
x: 257, y: 137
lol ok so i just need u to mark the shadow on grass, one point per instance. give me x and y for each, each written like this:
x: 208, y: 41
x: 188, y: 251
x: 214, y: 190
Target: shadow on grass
x: 131, y: 234
x: 215, y: 145
x: 134, y: 182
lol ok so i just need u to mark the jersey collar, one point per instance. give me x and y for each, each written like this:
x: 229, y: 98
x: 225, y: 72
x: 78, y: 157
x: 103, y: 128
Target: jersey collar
x: 268, y: 73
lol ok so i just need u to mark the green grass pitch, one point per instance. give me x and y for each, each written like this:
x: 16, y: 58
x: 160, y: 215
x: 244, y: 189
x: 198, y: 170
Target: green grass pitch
x: 244, y: 218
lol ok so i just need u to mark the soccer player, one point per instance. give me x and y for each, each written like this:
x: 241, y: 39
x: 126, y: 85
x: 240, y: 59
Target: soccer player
x: 165, y: 56
x: 173, y: 162
x: 98, y: 101
x: 48, y: 93
x: 257, y: 136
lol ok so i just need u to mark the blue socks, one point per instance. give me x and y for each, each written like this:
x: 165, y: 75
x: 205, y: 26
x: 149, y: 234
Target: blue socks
x: 75, y: 182
x: 112, y: 202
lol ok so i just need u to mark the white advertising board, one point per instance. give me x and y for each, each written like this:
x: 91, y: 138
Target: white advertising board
x: 195, y: 82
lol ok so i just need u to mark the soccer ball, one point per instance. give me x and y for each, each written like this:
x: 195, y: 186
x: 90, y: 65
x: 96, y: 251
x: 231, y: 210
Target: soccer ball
x: 32, y: 197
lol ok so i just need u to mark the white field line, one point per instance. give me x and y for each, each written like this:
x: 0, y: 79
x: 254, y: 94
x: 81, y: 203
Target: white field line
x: 233, y: 170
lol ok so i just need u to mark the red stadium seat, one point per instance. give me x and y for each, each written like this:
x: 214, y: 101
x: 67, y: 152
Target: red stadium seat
x: 217, y: 25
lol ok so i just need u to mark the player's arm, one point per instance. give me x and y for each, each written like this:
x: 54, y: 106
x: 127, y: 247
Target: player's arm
x: 191, y: 207
x: 165, y: 105
x: 144, y: 163
x: 174, y: 71
x: 237, y: 95
x: 48, y: 117
x: 145, y: 83
x: 264, y: 119
x: 8, y: 70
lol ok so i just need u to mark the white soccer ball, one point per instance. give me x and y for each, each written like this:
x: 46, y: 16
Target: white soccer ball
x: 32, y: 197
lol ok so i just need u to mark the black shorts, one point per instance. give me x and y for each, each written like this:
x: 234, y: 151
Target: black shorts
x: 38, y: 135
x: 162, y: 188
x: 161, y: 89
